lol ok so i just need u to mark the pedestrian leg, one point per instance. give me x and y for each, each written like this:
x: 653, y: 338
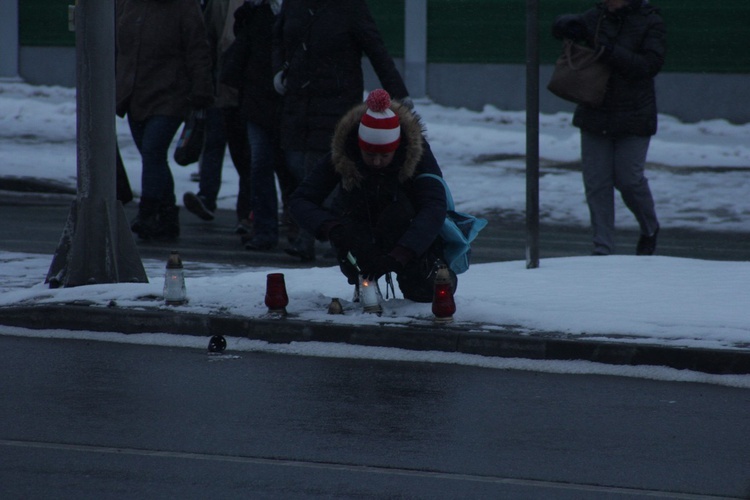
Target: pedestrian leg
x: 597, y: 153
x: 263, y: 193
x: 157, y: 215
x: 300, y: 163
x: 239, y: 149
x: 631, y: 182
x: 211, y: 162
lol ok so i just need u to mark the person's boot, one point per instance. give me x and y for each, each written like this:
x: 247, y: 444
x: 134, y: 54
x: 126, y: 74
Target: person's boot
x: 168, y: 223
x: 647, y: 244
x: 145, y: 222
x: 199, y: 206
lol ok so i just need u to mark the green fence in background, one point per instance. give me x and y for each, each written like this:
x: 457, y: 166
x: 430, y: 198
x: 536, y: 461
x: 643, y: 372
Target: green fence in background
x: 704, y: 36
x: 44, y: 23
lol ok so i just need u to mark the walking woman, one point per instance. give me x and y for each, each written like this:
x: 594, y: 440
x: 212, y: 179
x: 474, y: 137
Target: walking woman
x: 163, y: 71
x: 615, y: 136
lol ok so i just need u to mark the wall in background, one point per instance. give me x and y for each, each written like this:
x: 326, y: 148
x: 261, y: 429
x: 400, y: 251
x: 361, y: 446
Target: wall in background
x: 476, y: 52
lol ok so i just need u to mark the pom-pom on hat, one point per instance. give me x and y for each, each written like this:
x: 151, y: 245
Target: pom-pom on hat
x: 379, y: 129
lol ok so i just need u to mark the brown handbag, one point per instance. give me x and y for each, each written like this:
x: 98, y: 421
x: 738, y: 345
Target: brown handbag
x: 579, y: 75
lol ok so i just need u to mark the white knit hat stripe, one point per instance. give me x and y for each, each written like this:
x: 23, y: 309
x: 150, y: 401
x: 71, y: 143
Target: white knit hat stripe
x: 379, y: 128
x: 378, y: 136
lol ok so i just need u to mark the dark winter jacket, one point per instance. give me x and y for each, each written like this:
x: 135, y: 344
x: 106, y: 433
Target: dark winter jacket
x: 635, y: 38
x: 321, y: 44
x: 364, y: 191
x: 219, y: 19
x: 163, y: 58
x: 259, y: 102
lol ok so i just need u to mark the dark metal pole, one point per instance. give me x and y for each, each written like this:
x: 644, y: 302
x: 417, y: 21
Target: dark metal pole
x: 95, y: 107
x: 415, y: 47
x: 9, y: 41
x: 97, y: 245
x: 532, y: 134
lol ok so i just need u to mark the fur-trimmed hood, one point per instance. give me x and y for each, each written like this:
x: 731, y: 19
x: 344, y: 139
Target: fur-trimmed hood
x: 345, y: 153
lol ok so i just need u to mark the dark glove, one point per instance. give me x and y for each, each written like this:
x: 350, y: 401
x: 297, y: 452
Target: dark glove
x: 379, y: 266
x: 569, y: 26
x: 407, y: 103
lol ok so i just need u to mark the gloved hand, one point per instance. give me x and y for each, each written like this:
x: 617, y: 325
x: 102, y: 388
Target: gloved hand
x: 279, y: 83
x: 380, y: 265
x: 407, y: 103
x: 569, y: 26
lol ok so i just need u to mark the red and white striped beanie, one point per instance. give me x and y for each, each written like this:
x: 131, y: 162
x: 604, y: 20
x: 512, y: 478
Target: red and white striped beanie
x: 379, y: 129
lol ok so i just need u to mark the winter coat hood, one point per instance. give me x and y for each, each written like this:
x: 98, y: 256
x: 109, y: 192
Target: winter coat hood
x: 346, y: 155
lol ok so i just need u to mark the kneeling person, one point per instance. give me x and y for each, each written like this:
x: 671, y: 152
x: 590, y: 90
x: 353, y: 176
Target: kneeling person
x: 382, y: 211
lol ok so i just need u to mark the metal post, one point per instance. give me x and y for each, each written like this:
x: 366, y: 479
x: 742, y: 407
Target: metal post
x: 9, y: 41
x: 97, y: 245
x: 532, y: 134
x: 415, y: 47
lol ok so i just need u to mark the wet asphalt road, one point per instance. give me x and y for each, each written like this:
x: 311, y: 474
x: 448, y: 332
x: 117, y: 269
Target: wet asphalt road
x: 99, y: 420
x: 84, y: 419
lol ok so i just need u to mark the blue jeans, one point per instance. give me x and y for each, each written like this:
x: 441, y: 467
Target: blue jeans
x: 235, y: 131
x: 153, y: 137
x: 212, y: 157
x: 263, y: 197
x: 300, y: 163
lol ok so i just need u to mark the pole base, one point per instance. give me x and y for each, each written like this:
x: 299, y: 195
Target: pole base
x: 96, y: 247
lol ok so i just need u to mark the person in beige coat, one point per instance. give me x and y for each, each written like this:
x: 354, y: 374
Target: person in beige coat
x: 163, y: 71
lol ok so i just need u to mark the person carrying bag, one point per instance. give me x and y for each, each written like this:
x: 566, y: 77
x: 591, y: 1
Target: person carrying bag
x: 580, y: 75
x: 630, y: 39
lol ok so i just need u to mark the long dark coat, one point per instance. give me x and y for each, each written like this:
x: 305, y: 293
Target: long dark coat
x: 638, y: 38
x: 259, y: 101
x: 364, y: 190
x: 321, y: 44
x: 217, y: 14
x: 163, y: 58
